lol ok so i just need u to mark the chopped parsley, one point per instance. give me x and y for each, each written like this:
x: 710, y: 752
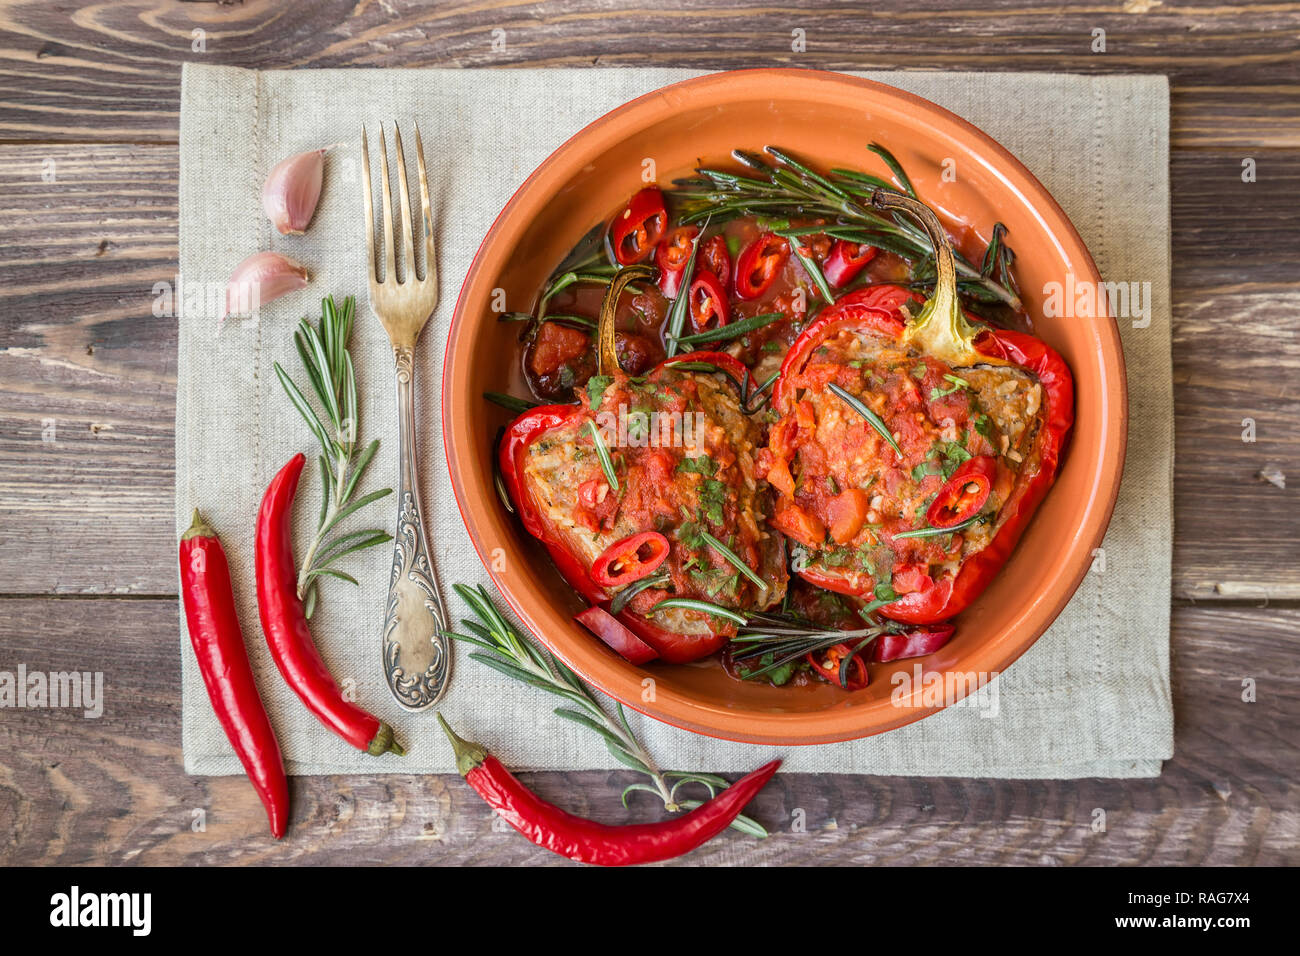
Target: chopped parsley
x: 699, y: 465
x: 924, y: 470
x: 713, y: 494
x: 596, y: 386
x: 777, y: 675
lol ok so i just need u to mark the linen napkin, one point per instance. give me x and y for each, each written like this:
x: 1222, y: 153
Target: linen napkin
x: 1090, y: 698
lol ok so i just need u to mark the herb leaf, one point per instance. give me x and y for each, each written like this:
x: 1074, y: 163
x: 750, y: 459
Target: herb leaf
x: 872, y: 418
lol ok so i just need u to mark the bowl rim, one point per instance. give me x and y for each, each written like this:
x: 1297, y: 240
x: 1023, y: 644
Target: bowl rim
x: 810, y: 728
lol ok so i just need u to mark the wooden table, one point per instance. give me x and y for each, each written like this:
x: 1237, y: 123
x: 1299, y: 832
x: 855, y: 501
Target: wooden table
x: 88, y: 216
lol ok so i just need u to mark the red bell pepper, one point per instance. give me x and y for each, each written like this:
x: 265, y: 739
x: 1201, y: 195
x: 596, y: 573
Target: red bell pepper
x: 759, y: 264
x: 845, y: 261
x: 918, y: 643
x: 638, y: 228
x: 942, y: 330
x: 672, y: 646
x: 619, y: 638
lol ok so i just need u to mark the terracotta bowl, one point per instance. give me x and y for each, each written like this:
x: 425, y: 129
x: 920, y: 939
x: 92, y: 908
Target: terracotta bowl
x: 828, y: 118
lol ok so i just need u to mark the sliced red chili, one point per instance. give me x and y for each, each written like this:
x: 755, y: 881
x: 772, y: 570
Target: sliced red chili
x: 709, y: 307
x: 714, y: 257
x: 608, y: 628
x: 845, y: 261
x: 671, y: 256
x: 639, y: 227
x: 827, y: 663
x: 630, y: 559
x: 759, y: 264
x: 964, y: 494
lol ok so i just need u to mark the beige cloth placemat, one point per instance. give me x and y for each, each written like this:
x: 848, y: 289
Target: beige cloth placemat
x: 1090, y: 698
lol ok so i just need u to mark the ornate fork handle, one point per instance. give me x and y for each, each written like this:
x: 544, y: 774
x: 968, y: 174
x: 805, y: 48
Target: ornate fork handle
x: 417, y: 659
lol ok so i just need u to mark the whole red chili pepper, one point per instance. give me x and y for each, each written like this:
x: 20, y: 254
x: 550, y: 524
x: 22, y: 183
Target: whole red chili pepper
x: 587, y: 841
x: 285, y: 624
x: 219, y: 648
x: 941, y: 329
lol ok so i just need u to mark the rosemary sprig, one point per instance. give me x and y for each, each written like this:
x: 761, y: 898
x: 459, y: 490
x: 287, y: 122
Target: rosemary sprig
x: 624, y: 597
x: 734, y: 560
x: 602, y: 453
x: 788, y: 637
x: 328, y: 364
x: 786, y: 187
x: 509, y: 653
x: 931, y: 532
x: 872, y: 418
x: 810, y: 267
x: 731, y: 330
x: 681, y: 304
x: 509, y: 402
x: 702, y: 607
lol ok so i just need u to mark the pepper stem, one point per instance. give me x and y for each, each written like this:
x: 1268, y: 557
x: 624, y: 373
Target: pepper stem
x: 468, y: 755
x: 606, y: 354
x: 384, y: 742
x: 940, y: 328
x: 198, y: 528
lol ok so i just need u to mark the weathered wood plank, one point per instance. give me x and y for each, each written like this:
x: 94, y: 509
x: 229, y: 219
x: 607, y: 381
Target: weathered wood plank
x: 95, y: 72
x: 112, y: 790
x: 82, y: 354
x: 87, y: 372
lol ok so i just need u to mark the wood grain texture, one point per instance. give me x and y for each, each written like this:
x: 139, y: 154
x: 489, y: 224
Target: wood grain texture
x: 94, y: 71
x: 113, y: 790
x: 89, y: 100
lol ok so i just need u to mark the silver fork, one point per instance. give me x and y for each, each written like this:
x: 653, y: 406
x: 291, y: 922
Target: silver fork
x: 417, y: 661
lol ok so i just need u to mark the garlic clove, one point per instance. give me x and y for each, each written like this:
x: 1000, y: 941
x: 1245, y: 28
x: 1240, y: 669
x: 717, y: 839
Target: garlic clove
x: 261, y: 278
x: 292, y: 190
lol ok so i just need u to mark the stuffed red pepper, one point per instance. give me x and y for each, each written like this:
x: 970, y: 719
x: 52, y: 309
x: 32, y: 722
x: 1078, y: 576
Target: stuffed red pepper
x: 646, y: 496
x: 912, y: 445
